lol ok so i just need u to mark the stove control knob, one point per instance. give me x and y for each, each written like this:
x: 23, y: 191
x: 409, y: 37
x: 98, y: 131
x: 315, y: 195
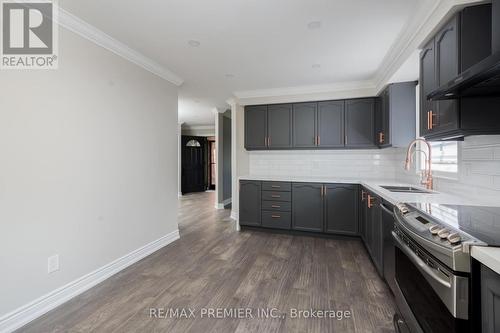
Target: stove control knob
x: 454, y: 238
x: 443, y: 233
x: 434, y: 229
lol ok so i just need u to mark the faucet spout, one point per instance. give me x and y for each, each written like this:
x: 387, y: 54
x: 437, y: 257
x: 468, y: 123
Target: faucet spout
x: 427, y: 174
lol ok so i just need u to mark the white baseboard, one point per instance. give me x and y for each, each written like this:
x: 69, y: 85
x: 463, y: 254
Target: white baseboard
x: 179, y: 194
x: 234, y: 215
x: 27, y: 313
x: 223, y: 204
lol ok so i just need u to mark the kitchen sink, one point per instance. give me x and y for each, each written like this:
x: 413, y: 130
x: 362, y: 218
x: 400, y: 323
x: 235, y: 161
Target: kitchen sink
x: 406, y: 189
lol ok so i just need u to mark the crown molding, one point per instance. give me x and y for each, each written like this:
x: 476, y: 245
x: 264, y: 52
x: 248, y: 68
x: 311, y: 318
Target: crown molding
x: 306, y: 93
x: 303, y: 90
x: 88, y: 31
x: 423, y: 24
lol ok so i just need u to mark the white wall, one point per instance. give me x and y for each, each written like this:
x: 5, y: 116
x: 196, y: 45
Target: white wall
x: 203, y: 130
x: 87, y: 167
x: 240, y: 160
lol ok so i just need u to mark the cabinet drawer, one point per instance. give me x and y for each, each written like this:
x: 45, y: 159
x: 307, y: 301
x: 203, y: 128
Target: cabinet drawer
x: 276, y: 186
x: 276, y: 196
x: 277, y: 220
x: 277, y: 206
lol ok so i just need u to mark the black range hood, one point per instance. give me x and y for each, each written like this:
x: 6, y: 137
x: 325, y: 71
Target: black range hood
x: 481, y: 79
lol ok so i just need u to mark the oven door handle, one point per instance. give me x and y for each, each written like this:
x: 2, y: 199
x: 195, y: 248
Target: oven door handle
x: 420, y: 264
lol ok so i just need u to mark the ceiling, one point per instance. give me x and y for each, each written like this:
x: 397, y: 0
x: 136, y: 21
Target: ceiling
x: 252, y: 45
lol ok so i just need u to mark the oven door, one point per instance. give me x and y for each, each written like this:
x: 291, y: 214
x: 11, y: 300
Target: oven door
x: 436, y: 298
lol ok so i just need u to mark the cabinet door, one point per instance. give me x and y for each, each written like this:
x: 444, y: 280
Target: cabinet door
x: 331, y: 124
x: 427, y: 84
x: 307, y: 207
x: 256, y: 127
x: 279, y: 129
x: 377, y: 235
x: 382, y: 119
x: 341, y: 209
x: 304, y: 125
x: 250, y: 203
x: 362, y: 214
x: 359, y: 123
x: 490, y: 300
x: 447, y: 68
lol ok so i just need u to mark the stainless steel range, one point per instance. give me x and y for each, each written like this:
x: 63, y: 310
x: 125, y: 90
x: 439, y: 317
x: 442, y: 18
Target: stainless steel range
x: 433, y: 262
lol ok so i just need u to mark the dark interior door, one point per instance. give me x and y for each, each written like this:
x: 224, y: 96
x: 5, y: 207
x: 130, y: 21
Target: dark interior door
x: 193, y: 163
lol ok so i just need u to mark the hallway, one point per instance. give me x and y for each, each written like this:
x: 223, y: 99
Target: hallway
x: 214, y: 266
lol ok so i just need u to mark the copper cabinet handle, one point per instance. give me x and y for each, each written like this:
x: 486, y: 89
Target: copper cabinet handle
x: 315, y: 139
x: 319, y: 140
x: 268, y: 141
x: 276, y: 216
x: 363, y: 195
x: 370, y: 201
x: 275, y: 206
x: 381, y: 137
x: 275, y: 196
x: 428, y: 126
x: 275, y: 186
x: 431, y: 119
x: 324, y: 190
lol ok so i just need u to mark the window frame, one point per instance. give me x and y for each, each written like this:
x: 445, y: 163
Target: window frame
x: 438, y: 173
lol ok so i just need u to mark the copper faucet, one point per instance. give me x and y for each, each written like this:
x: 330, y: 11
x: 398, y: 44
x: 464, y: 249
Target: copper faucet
x: 427, y: 174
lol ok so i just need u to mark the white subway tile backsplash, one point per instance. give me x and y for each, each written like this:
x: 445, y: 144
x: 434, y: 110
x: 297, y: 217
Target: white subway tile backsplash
x: 477, y: 153
x: 479, y: 166
x: 345, y: 163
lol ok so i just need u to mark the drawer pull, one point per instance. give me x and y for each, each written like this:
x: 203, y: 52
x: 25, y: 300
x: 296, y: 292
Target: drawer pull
x: 275, y: 196
x: 276, y: 216
x: 275, y: 186
x: 275, y: 206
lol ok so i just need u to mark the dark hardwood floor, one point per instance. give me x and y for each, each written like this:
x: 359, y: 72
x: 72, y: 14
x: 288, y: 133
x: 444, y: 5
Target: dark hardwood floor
x: 214, y: 266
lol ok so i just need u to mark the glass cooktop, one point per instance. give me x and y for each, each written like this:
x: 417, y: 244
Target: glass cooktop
x: 480, y: 222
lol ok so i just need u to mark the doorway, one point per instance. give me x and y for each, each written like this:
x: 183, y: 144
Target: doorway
x: 194, y: 157
x: 212, y: 169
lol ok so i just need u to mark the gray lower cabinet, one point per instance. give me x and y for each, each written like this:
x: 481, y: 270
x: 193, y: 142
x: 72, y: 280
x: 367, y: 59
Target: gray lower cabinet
x: 372, y: 228
x: 360, y: 123
x: 307, y: 207
x: 375, y: 226
x: 304, y: 125
x: 490, y: 300
x: 341, y: 209
x: 250, y: 203
x: 256, y: 127
x: 330, y: 128
x: 276, y: 220
x: 279, y: 126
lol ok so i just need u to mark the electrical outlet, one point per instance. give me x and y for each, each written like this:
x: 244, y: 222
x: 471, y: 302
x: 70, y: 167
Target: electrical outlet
x: 53, y: 263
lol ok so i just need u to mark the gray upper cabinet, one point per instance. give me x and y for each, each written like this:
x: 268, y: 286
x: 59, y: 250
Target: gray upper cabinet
x: 256, y: 127
x: 359, y: 123
x: 307, y: 207
x: 395, y: 115
x: 447, y: 68
x: 460, y: 43
x: 304, y: 125
x: 330, y: 124
x: 427, y: 85
x: 250, y: 203
x: 279, y: 126
x: 341, y: 209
